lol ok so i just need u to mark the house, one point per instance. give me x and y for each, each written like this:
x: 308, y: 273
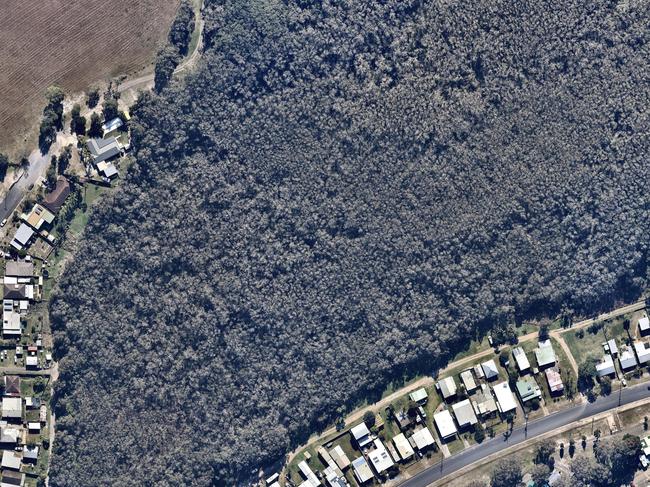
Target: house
x: 10, y: 435
x: 445, y: 424
x: 38, y: 217
x: 468, y: 380
x: 528, y: 389
x: 334, y: 477
x: 379, y: 458
x: 361, y: 470
x: 361, y: 434
x: 12, y: 408
x: 483, y: 402
x: 478, y: 371
x: 12, y: 385
x: 613, y: 349
x: 103, y: 149
x: 644, y: 325
x: 642, y: 352
x: 606, y: 366
x: 111, y: 125
x: 31, y: 362
x: 310, y: 476
x: 554, y: 380
x: 11, y: 478
x: 19, y: 269
x: 30, y: 453
x: 422, y: 439
x: 544, y: 354
x: 447, y: 387
x: 35, y: 427
x: 404, y: 421
x: 627, y: 359
x: 340, y: 458
x: 32, y: 402
x: 11, y: 459
x: 17, y: 292
x: 490, y: 369
x: 420, y: 396
x: 22, y: 237
x: 505, y: 400
x: 54, y: 200
x: 11, y: 327
x: 107, y: 169
x: 521, y: 360
x: 464, y: 414
x: 325, y: 456
x: 403, y: 446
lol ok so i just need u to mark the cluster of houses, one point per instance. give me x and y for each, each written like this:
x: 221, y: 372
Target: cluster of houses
x: 20, y: 427
x: 104, y: 151
x: 628, y: 356
x: 39, y: 220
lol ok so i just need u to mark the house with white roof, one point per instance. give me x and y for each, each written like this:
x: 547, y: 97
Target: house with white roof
x: 340, y: 458
x: 422, y: 438
x: 467, y: 378
x: 447, y: 387
x: 308, y: 473
x: 11, y: 459
x: 490, y: 370
x: 361, y: 434
x: 520, y: 359
x: 362, y: 470
x: 544, y: 354
x: 379, y: 458
x: 642, y: 352
x: 403, y: 446
x: 12, y: 408
x: 644, y: 324
x: 464, y: 414
x: 606, y: 366
x: 613, y: 348
x: 505, y: 399
x: 627, y: 359
x: 419, y: 396
x: 445, y: 424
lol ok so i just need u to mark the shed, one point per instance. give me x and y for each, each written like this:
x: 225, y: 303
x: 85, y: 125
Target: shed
x: 490, y: 369
x: 31, y: 362
x: 30, y: 453
x: 520, y: 358
x: 464, y: 414
x: 613, y: 348
x: 111, y: 125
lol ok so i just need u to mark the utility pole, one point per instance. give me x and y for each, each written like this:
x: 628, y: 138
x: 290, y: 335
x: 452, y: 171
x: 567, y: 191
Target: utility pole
x: 526, y: 427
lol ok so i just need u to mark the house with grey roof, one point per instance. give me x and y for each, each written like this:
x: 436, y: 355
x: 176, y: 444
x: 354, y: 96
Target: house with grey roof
x: 103, y: 149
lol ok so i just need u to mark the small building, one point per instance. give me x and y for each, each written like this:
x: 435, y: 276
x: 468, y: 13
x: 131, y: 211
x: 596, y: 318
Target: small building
x: 103, y: 149
x: 12, y: 478
x: 478, y: 372
x: 19, y: 269
x: 627, y: 359
x: 362, y: 470
x: 404, y: 421
x: 520, y: 359
x: 361, y: 434
x: 422, y: 439
x: 32, y: 402
x: 403, y: 447
x: 544, y: 354
x: 490, y: 369
x: 38, y: 217
x: 464, y: 414
x: 35, y: 427
x: 111, y: 125
x: 12, y: 408
x: 445, y: 424
x: 642, y: 352
x: 30, y: 453
x: 554, y: 379
x: 483, y: 402
x: 42, y: 413
x: 22, y: 237
x: 305, y: 470
x: 340, y: 458
x: 11, y: 459
x: 12, y: 385
x: 31, y: 362
x: 606, y: 366
x: 10, y: 435
x: 419, y: 396
x: 644, y: 325
x: 528, y: 389
x: 107, y: 169
x: 379, y: 458
x: 54, y: 200
x: 613, y: 348
x: 505, y: 400
x: 468, y: 380
x: 447, y: 387
x: 325, y: 456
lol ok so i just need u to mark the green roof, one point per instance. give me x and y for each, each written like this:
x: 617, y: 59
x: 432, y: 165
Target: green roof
x: 528, y: 388
x: 419, y: 395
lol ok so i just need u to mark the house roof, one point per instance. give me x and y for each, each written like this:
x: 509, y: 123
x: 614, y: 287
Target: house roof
x: 468, y: 380
x: 644, y: 323
x: 12, y: 407
x: 403, y: 446
x: 444, y: 423
x: 11, y: 478
x: 379, y: 458
x: 528, y: 389
x: 103, y: 149
x: 490, y: 369
x: 464, y: 413
x: 12, y: 384
x: 11, y: 459
x: 418, y: 395
x: 447, y: 387
x: 361, y: 433
x: 613, y: 349
x: 362, y: 470
x: 108, y: 168
x: 11, y: 323
x: 54, y: 200
x: 30, y: 452
x: 15, y: 292
x: 423, y: 438
x: 307, y: 472
x: 339, y: 456
x: 642, y: 351
x: 19, y: 269
x: 111, y: 125
x: 627, y: 359
x: 9, y: 434
x: 505, y: 400
x: 521, y: 359
x: 484, y: 403
x: 23, y: 234
x: 544, y: 353
x: 606, y: 366
x: 554, y: 380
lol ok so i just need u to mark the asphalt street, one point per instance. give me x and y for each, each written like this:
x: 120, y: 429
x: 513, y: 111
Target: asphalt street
x: 519, y: 434
x: 37, y: 167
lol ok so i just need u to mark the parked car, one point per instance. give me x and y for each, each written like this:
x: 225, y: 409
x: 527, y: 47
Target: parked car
x: 3, y: 222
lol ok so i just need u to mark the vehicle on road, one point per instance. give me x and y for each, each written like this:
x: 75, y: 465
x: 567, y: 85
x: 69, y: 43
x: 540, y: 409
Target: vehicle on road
x: 3, y: 223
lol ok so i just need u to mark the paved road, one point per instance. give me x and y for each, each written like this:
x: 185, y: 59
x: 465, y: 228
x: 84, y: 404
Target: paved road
x: 535, y: 428
x: 37, y: 168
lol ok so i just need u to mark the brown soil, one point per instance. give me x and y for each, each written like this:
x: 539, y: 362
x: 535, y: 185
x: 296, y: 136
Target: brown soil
x: 72, y: 43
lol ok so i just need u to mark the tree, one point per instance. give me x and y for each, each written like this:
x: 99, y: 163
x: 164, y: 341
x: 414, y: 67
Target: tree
x: 50, y: 175
x: 95, y: 126
x: 476, y: 483
x: 479, y: 433
x: 77, y: 122
x: 540, y: 473
x: 52, y: 118
x: 507, y: 473
x: 605, y: 386
x: 620, y: 457
x: 181, y: 30
x: 92, y: 98
x: 369, y: 418
x: 110, y: 108
x: 504, y: 357
x: 544, y: 452
x: 586, y: 374
x: 587, y: 473
x: 4, y: 165
x: 166, y: 62
x: 543, y: 331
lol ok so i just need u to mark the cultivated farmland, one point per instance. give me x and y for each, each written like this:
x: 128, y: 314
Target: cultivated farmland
x: 74, y: 44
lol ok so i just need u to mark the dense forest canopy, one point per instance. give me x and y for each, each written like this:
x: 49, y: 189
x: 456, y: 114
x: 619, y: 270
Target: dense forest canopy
x: 343, y: 190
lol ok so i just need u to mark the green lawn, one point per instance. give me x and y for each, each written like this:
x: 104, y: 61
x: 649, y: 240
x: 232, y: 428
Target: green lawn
x: 591, y: 343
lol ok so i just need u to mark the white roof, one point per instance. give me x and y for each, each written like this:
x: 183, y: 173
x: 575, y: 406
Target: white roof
x: 613, y: 349
x: 11, y: 323
x: 505, y: 398
x: 490, y: 369
x: 362, y: 470
x: 361, y: 433
x: 307, y: 472
x: 11, y: 459
x: 36, y: 426
x: 9, y: 434
x: 447, y: 387
x: 423, y: 438
x: 339, y: 456
x: 644, y: 323
x: 478, y: 371
x: 403, y: 446
x: 642, y: 352
x: 468, y: 380
x: 627, y: 359
x: 12, y: 407
x: 418, y: 395
x: 31, y: 360
x: 521, y: 359
x: 112, y: 124
x: 464, y: 413
x: 606, y: 367
x: 23, y: 234
x: 380, y: 458
x: 444, y: 423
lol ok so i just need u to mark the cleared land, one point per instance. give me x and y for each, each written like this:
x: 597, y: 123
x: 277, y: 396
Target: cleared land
x: 73, y: 44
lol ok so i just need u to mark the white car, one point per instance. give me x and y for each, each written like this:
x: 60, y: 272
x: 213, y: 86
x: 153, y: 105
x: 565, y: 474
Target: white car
x: 3, y: 223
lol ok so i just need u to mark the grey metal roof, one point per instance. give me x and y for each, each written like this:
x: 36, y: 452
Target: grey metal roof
x: 19, y: 269
x: 103, y: 149
x: 23, y: 234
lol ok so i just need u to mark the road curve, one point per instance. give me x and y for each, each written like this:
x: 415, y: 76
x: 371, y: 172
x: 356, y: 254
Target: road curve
x: 535, y: 428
